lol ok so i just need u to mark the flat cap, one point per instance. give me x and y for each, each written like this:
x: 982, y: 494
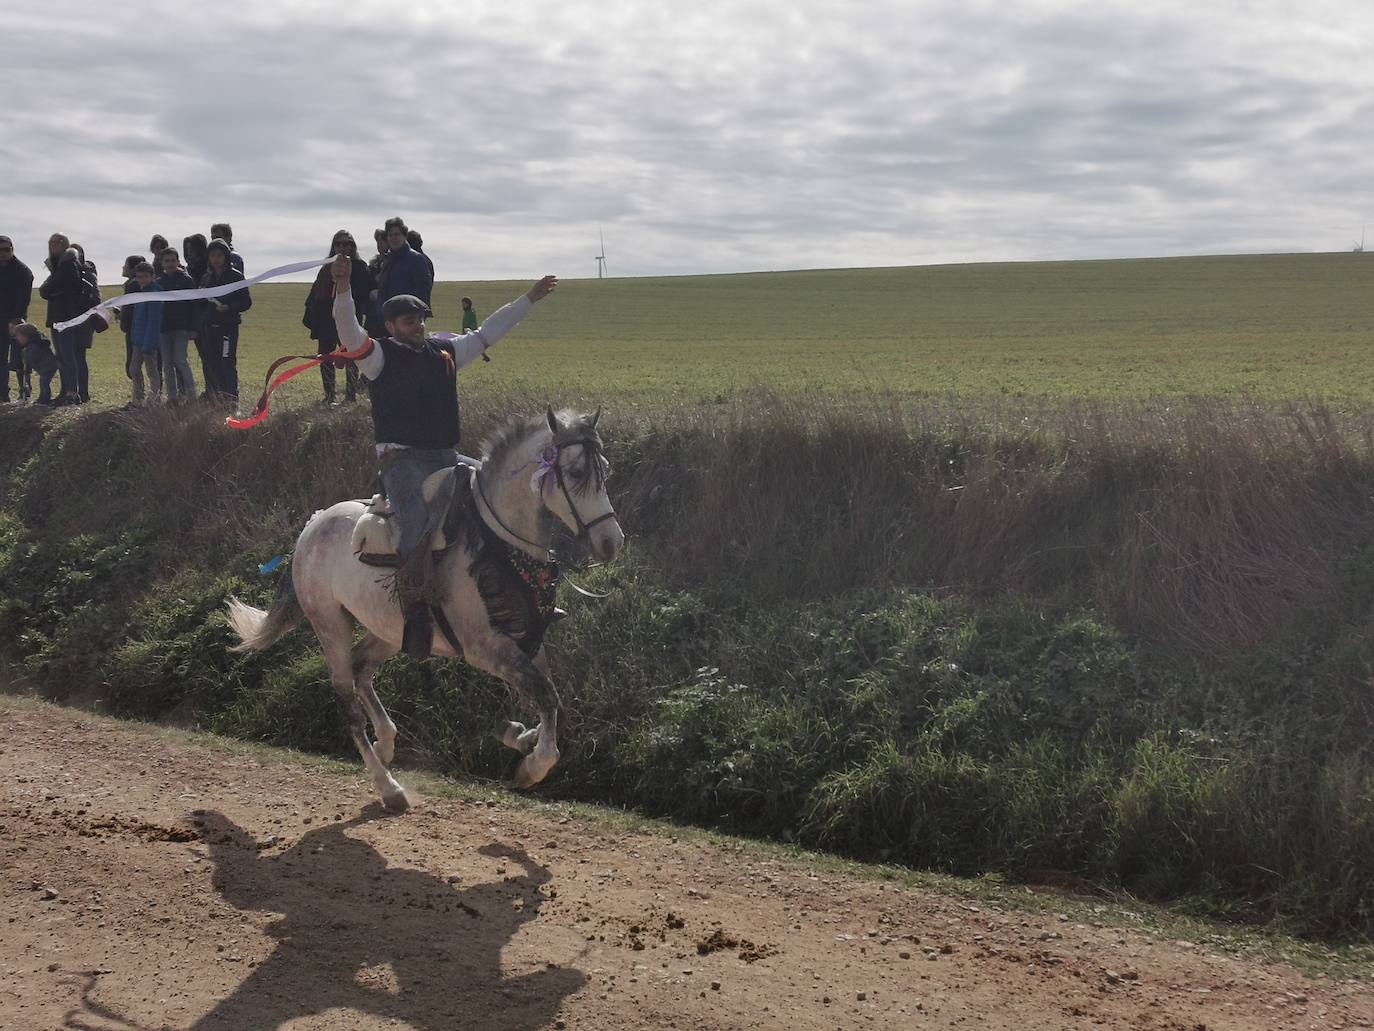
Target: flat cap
x: 405, y: 304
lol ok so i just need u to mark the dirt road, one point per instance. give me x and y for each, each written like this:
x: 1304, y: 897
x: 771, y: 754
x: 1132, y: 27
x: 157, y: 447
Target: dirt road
x: 151, y: 880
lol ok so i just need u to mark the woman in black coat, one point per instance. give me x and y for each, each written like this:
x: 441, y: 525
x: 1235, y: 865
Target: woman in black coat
x: 319, y: 312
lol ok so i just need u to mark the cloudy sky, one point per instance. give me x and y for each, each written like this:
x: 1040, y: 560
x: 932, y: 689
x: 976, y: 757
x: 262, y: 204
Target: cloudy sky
x: 703, y: 137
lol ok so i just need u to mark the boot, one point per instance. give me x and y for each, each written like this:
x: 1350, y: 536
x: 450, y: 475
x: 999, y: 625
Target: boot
x: 413, y: 593
x: 418, y: 635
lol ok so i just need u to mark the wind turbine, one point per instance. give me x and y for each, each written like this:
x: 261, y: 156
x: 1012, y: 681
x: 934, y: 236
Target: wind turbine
x: 1359, y: 247
x: 601, y: 258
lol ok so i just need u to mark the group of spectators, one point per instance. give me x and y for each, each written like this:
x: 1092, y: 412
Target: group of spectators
x: 400, y: 266
x: 157, y: 337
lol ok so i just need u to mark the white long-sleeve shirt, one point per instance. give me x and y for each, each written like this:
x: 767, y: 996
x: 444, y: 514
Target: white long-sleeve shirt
x: 467, y: 348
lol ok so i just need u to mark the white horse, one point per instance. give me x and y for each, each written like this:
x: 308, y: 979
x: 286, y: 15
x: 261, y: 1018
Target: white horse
x: 533, y: 472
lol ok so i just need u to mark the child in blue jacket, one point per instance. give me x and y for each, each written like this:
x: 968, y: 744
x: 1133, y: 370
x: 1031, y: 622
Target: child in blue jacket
x: 146, y: 332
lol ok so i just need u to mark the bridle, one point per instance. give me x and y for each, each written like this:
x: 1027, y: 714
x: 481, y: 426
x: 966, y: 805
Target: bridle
x: 584, y: 527
x: 593, y: 451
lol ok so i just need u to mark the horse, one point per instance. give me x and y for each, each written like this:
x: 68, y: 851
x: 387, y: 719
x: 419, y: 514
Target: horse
x: 511, y: 505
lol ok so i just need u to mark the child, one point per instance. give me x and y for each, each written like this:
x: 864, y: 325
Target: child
x: 13, y: 351
x: 145, y: 330
x: 126, y: 315
x: 38, y: 355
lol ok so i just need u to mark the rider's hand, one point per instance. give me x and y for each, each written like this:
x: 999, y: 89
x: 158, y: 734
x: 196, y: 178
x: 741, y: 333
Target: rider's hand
x: 542, y: 289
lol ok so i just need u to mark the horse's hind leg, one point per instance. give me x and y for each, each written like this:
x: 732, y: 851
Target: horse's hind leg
x: 368, y: 655
x: 335, y: 635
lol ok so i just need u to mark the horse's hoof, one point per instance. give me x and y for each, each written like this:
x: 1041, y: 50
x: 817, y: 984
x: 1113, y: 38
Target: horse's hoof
x: 532, y: 770
x: 509, y: 734
x: 396, y: 801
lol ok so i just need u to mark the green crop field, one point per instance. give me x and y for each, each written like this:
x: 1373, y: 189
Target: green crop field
x: 1271, y: 326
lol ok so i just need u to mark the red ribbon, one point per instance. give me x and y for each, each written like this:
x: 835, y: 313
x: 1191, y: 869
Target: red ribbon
x: 339, y: 358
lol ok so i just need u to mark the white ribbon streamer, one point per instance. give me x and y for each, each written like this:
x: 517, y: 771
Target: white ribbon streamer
x: 106, y: 308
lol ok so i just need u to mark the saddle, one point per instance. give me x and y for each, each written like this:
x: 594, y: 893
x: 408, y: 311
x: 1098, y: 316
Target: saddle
x: 519, y: 592
x: 376, y: 533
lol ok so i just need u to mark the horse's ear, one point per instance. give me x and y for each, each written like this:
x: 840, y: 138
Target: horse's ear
x: 596, y: 416
x: 553, y: 420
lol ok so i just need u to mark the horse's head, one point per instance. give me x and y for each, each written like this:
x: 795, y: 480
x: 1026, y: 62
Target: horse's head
x: 571, y: 479
x: 559, y: 457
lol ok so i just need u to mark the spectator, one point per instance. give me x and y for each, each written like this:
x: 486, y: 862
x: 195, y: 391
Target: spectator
x: 126, y: 315
x: 145, y: 330
x: 64, y: 291
x: 175, y: 332
x: 197, y: 264
x: 219, y: 335
x: 85, y: 333
x: 224, y: 231
x: 372, y: 320
x: 157, y: 245
x: 469, y: 316
x: 193, y: 256
x: 417, y: 244
x: 38, y: 356
x: 16, y: 289
x: 404, y: 271
x: 13, y: 352
x: 319, y: 313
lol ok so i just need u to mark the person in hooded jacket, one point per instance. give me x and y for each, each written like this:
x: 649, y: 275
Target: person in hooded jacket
x: 224, y: 231
x: 319, y: 312
x: 194, y: 253
x: 219, y: 333
x: 85, y: 333
x: 194, y: 256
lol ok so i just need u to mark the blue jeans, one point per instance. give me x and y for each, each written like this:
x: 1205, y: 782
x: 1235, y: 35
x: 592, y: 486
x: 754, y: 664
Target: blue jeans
x: 176, y: 370
x: 403, y: 472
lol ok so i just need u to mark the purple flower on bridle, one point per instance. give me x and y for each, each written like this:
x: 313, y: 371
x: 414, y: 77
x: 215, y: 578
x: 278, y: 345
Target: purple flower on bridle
x: 544, y: 477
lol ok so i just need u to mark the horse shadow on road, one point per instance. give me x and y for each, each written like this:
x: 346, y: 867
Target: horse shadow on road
x: 349, y: 916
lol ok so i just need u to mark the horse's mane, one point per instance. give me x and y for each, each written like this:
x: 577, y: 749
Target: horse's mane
x: 511, y: 435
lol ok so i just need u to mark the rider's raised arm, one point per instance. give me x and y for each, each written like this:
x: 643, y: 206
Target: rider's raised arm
x: 469, y: 346
x: 351, y: 335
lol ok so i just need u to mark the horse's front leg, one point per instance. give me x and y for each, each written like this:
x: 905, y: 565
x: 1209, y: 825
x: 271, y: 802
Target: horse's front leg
x: 530, y: 682
x: 516, y: 735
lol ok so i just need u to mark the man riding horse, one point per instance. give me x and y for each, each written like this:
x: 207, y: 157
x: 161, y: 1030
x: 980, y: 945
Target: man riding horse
x: 413, y: 385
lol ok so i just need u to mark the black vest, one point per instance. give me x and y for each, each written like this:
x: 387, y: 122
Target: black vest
x: 415, y: 399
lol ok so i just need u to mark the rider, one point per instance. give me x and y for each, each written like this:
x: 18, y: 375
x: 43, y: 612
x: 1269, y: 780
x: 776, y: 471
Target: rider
x: 414, y: 392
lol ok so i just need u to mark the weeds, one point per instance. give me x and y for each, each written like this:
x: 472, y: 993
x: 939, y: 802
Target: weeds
x: 1125, y: 642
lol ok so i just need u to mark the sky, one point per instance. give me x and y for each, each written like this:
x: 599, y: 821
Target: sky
x: 698, y: 138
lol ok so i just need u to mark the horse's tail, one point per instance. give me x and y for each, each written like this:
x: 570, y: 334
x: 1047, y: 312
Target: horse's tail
x: 259, y: 629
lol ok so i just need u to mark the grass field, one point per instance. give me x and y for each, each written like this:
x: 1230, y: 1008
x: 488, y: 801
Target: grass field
x: 1272, y: 326
x: 1022, y: 607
